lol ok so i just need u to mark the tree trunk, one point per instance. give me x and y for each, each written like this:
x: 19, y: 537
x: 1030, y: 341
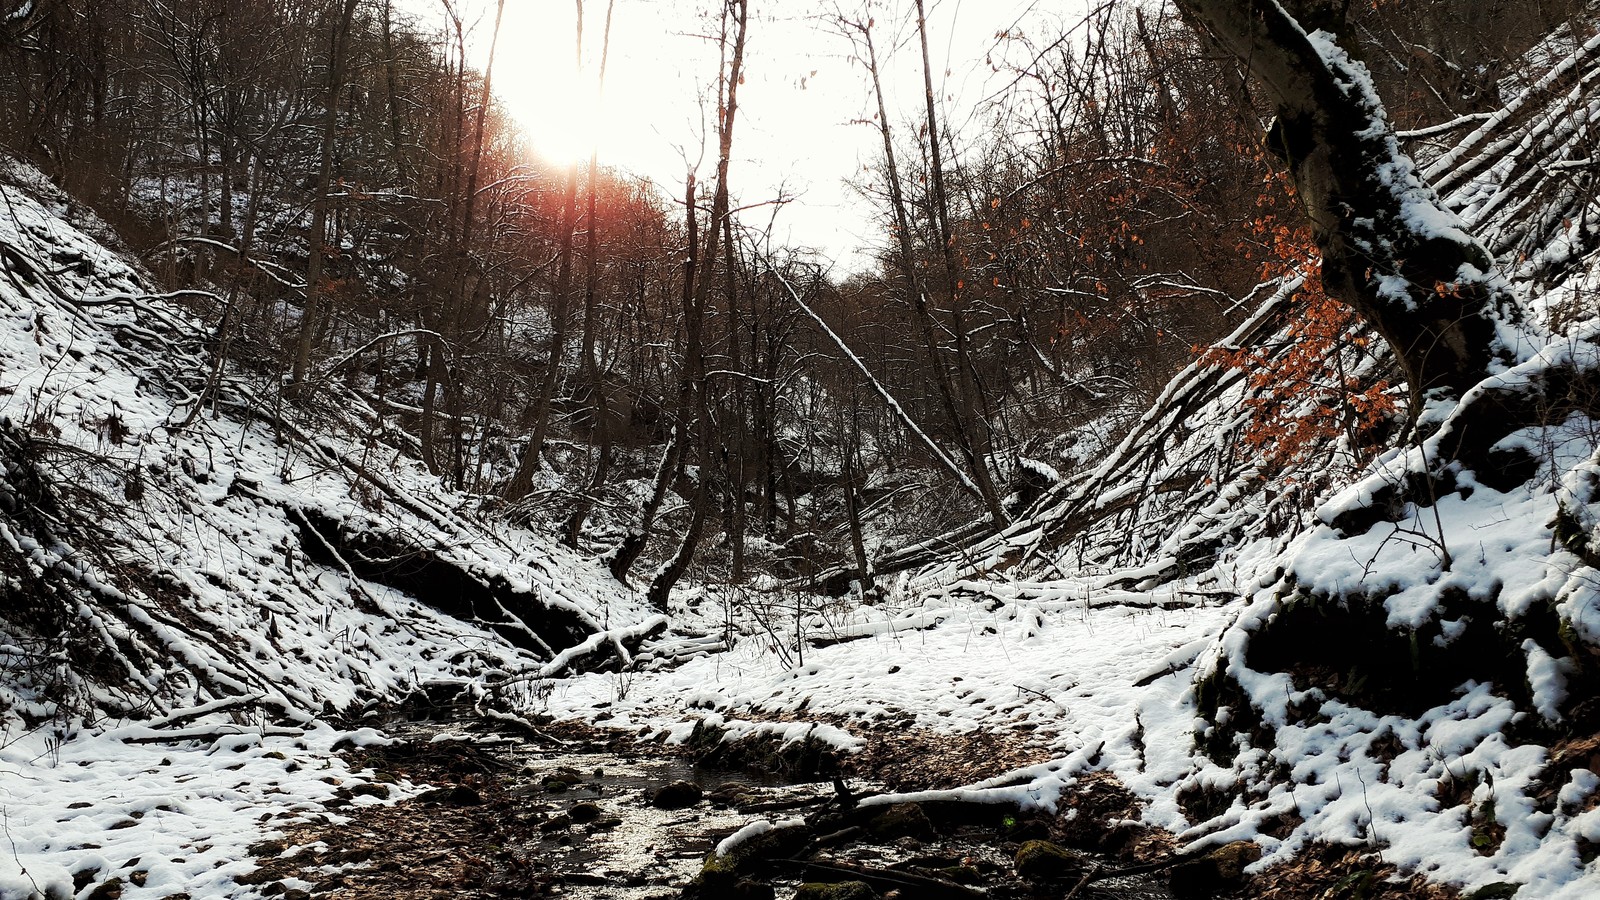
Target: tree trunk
x: 949, y: 395
x: 522, y: 482
x: 694, y: 384
x: 589, y: 369
x: 319, y: 203
x: 621, y: 559
x: 852, y: 501
x: 1391, y: 249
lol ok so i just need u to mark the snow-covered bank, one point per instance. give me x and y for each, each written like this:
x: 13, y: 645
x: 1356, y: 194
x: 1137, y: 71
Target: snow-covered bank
x: 183, y: 535
x: 163, y: 815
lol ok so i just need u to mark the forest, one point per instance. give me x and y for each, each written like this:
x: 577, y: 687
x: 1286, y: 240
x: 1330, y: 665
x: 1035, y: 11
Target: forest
x: 1192, y: 491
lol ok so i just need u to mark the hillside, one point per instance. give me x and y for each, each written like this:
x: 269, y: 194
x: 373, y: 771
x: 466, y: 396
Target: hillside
x: 182, y: 539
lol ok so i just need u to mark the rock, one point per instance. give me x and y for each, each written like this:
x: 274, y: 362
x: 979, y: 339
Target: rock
x: 783, y: 841
x: 584, y: 812
x: 296, y: 894
x: 842, y: 890
x: 1022, y: 830
x: 717, y: 879
x: 1499, y: 890
x: 110, y: 889
x: 1044, y: 861
x: 750, y: 889
x: 1219, y: 869
x: 677, y: 795
x: 901, y: 820
x: 460, y: 795
x: 730, y: 794
x: 721, y: 878
x: 960, y: 874
x: 380, y: 791
x: 556, y: 823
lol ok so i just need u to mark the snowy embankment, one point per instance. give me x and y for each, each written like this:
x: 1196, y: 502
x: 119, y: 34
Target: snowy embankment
x: 184, y: 550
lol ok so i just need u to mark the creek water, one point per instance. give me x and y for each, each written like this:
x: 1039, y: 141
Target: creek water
x: 598, y: 837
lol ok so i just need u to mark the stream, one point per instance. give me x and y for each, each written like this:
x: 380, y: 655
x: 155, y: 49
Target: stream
x: 537, y: 816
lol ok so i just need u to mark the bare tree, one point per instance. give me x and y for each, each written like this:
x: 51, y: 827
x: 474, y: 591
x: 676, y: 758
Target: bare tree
x: 693, y: 386
x: 315, y: 237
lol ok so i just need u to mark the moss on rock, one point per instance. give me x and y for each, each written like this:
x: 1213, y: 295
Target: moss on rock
x: 842, y: 890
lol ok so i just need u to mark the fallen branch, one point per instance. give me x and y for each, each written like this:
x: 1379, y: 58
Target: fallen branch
x: 926, y: 885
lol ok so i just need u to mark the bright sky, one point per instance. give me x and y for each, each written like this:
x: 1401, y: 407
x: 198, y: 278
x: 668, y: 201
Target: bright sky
x: 794, y: 135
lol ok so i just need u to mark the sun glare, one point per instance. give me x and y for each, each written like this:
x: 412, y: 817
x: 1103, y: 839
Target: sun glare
x: 559, y: 106
x: 564, y: 127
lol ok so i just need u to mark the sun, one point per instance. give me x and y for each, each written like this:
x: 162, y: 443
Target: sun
x: 564, y: 128
x: 558, y: 102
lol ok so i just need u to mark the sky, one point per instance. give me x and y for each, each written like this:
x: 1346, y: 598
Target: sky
x: 800, y: 131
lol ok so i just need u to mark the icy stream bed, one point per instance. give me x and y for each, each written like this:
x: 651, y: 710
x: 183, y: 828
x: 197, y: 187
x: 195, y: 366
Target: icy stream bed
x: 581, y: 814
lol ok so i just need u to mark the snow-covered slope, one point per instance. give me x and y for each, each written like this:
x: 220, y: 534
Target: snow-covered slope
x: 174, y: 533
x: 1411, y: 660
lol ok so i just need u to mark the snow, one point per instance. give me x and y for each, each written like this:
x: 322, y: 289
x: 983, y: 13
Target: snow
x: 182, y: 810
x: 733, y: 841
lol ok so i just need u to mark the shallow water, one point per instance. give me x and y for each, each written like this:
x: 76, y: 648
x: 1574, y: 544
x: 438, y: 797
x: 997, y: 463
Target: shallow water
x: 652, y: 849
x: 633, y: 851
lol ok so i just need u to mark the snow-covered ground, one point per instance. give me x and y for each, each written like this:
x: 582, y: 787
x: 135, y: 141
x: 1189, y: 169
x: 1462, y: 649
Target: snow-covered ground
x: 163, y: 815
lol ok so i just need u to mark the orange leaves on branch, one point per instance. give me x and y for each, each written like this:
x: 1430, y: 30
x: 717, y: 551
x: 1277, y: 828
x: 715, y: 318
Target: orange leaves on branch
x: 1301, y: 397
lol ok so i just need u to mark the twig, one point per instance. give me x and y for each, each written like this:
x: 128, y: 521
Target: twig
x: 1083, y: 882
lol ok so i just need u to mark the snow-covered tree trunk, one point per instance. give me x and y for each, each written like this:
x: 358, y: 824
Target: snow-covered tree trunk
x: 1391, y: 249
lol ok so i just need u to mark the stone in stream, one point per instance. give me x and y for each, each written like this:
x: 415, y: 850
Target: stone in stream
x: 732, y: 794
x: 584, y: 812
x: 1044, y: 861
x: 960, y: 874
x: 1217, y: 870
x: 901, y: 820
x: 676, y: 795
x: 841, y: 890
x: 722, y: 877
